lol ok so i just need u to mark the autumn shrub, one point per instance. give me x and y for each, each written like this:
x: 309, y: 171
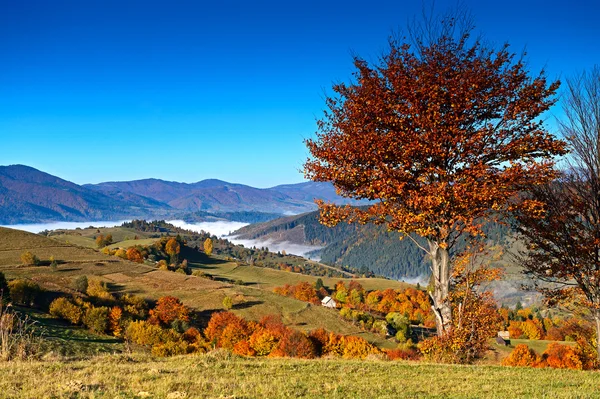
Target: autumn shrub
x: 218, y: 323
x: 121, y: 253
x: 523, y: 356
x: 195, y: 340
x: 115, y: 317
x: 403, y: 354
x: 133, y: 254
x: 142, y: 333
x: 96, y: 319
x: 98, y: 289
x: 135, y: 306
x: 562, y: 357
x: 227, y: 303
x: 161, y: 342
x: 320, y: 339
x: 170, y: 348
x: 233, y: 333
x: 334, y: 346
x: 29, y: 259
x: 65, y: 309
x: 168, y: 309
x: 24, y: 292
x: 263, y: 341
x: 357, y: 348
x: 243, y: 348
x: 555, y: 334
x: 515, y: 331
x: 532, y: 329
x: 163, y: 265
x: 294, y: 344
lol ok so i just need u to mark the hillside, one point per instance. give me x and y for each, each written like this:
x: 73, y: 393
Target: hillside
x: 250, y: 285
x: 367, y: 247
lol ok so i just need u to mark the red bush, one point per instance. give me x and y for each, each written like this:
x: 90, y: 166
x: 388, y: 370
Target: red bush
x: 167, y: 310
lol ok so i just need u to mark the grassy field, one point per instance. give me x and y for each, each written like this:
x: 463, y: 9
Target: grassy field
x: 220, y: 375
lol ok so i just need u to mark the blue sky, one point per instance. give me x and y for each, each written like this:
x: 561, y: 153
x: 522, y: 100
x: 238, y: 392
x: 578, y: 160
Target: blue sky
x: 95, y: 91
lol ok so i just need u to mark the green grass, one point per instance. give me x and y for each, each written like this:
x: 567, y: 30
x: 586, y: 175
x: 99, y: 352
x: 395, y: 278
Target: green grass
x: 131, y: 243
x: 75, y: 239
x: 220, y: 375
x: 266, y: 278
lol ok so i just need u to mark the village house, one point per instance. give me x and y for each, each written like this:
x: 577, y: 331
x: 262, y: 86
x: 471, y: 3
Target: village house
x: 328, y: 302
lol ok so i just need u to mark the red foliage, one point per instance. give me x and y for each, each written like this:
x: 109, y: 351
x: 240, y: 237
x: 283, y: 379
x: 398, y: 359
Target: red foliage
x: 167, y: 310
x: 303, y: 291
x: 562, y: 357
x: 403, y: 354
x: 134, y: 255
x: 217, y: 324
x: 294, y: 344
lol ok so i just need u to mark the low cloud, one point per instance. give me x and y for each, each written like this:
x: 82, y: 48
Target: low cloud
x: 421, y: 280
x: 220, y: 228
x: 288, y: 247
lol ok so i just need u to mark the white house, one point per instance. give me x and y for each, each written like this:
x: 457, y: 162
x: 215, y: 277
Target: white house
x: 328, y: 302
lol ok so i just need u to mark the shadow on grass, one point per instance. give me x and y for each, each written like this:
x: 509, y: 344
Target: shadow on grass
x: 246, y: 305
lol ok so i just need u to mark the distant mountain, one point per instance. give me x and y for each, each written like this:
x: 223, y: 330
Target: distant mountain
x: 28, y: 195
x: 217, y: 196
x: 367, y: 247
x: 309, y: 191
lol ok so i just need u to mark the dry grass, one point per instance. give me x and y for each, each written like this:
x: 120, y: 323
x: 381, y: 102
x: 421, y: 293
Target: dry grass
x: 220, y: 375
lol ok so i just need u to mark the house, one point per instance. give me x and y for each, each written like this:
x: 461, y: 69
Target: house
x: 328, y: 302
x: 503, y: 338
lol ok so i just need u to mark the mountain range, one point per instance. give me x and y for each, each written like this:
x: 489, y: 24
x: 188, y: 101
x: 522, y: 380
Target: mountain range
x: 28, y: 195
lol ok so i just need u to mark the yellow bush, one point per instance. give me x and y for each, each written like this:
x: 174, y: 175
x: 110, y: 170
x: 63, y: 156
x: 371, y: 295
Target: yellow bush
x: 97, y: 288
x: 65, y: 309
x: 96, y: 319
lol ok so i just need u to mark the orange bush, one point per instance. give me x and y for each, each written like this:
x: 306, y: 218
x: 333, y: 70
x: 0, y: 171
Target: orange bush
x: 514, y: 329
x: 523, y: 356
x: 114, y: 321
x: 402, y: 354
x: 294, y: 344
x: 167, y: 310
x: 134, y: 255
x: 243, y: 348
x: 562, y: 357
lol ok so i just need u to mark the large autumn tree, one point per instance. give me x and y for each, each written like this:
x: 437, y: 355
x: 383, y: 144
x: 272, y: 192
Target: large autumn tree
x: 563, y: 238
x: 439, y: 133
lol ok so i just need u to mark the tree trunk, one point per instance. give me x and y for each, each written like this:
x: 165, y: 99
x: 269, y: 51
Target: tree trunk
x: 597, y: 319
x: 440, y: 262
